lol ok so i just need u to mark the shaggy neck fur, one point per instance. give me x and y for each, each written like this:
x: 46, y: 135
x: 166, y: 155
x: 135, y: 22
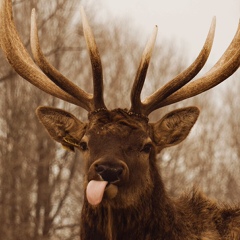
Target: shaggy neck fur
x: 157, y: 217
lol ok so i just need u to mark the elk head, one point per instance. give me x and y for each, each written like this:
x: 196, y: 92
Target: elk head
x: 119, y: 145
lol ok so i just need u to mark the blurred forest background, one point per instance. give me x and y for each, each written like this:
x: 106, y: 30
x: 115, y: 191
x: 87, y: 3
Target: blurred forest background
x: 40, y: 183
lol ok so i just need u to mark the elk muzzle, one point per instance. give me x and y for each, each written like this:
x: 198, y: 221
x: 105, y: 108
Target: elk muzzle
x: 105, y: 176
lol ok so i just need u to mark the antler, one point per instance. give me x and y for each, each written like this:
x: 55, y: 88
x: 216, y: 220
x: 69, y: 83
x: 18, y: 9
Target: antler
x: 49, y: 79
x: 177, y: 89
x: 141, y: 73
x: 54, y: 83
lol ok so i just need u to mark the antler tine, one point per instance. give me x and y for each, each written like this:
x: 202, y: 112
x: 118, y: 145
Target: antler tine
x: 19, y: 58
x: 52, y: 73
x: 230, y: 51
x: 95, y: 61
x: 141, y: 73
x: 224, y: 68
x: 152, y: 102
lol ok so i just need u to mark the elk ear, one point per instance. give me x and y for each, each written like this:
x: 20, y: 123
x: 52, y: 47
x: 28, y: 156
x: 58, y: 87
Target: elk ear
x: 62, y: 126
x: 174, y: 127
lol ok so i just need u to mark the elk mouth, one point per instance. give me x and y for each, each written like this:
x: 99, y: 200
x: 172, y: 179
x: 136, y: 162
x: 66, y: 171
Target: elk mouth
x: 97, y: 189
x: 104, y: 179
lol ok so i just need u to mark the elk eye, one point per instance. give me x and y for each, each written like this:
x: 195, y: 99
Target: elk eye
x: 147, y: 148
x: 83, y: 146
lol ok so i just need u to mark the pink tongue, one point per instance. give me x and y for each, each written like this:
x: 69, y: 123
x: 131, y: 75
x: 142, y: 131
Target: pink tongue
x: 95, y: 191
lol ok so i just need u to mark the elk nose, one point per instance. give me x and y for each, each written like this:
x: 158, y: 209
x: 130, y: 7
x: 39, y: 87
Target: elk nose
x: 110, y: 174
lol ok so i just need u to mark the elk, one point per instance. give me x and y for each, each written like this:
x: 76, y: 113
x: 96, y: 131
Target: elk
x: 124, y: 195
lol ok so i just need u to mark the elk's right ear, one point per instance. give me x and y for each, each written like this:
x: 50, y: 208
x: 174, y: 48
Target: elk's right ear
x: 174, y: 127
x: 62, y: 126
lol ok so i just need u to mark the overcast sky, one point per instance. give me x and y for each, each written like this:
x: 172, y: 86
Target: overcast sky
x: 187, y: 21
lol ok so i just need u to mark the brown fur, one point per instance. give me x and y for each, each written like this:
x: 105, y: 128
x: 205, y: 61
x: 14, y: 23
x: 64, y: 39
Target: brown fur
x: 142, y: 208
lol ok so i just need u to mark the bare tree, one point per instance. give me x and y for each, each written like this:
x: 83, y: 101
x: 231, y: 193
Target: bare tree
x: 32, y: 191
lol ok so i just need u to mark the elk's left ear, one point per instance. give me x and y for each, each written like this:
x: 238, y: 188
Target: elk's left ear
x: 62, y: 126
x: 174, y: 127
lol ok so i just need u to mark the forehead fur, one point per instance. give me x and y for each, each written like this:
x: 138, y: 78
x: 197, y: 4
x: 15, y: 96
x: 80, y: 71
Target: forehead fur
x: 107, y: 122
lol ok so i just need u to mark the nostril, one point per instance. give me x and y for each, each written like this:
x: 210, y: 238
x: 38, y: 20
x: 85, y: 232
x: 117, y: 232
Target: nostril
x: 119, y: 171
x: 110, y: 174
x: 100, y: 168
